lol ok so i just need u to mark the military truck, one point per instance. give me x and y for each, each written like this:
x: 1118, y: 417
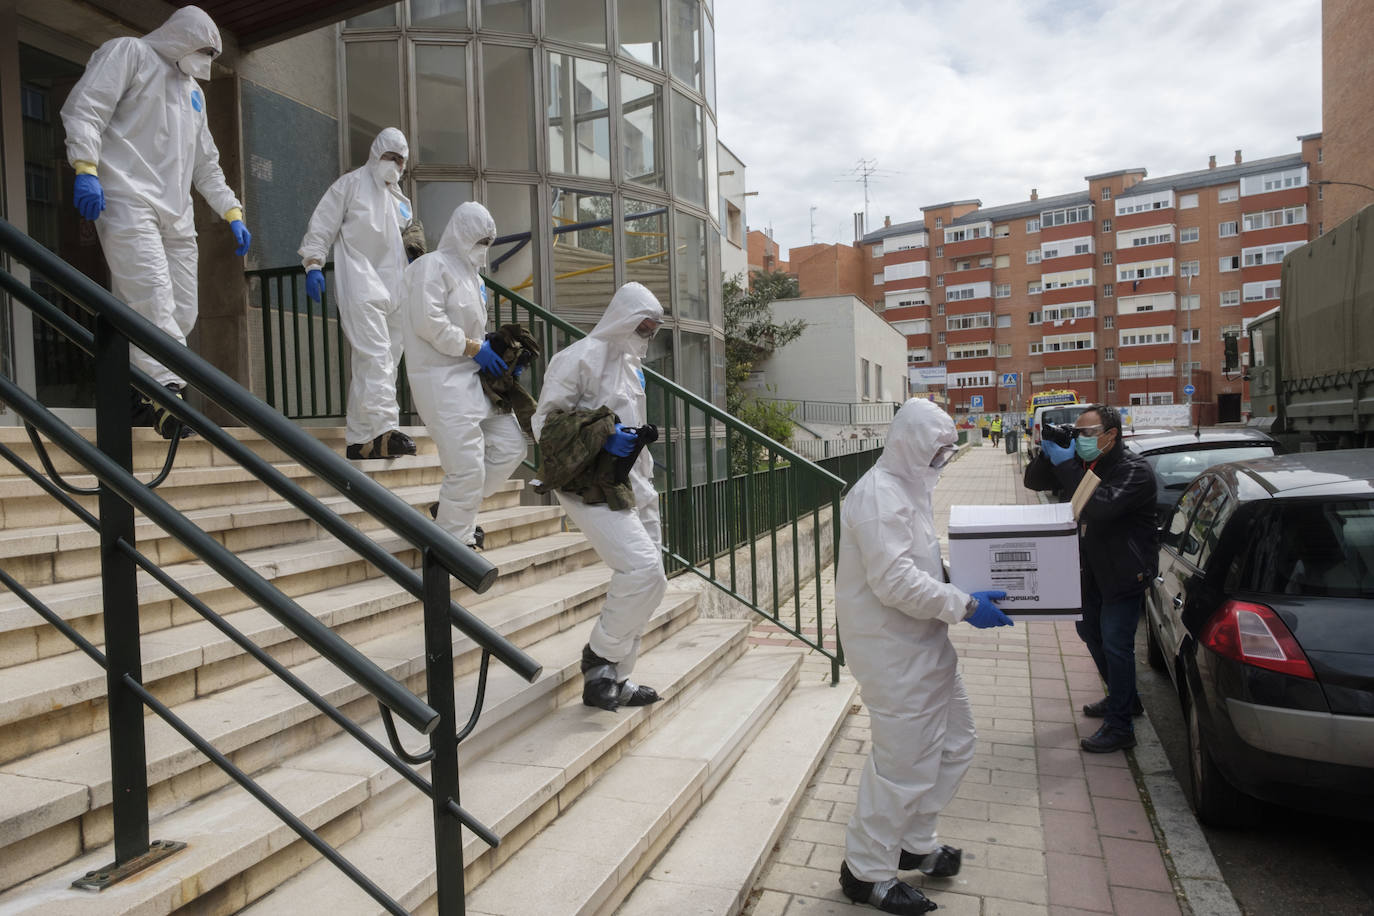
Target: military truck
x: 1311, y: 361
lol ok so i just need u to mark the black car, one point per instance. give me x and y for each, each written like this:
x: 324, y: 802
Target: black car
x: 1263, y: 615
x: 1177, y: 456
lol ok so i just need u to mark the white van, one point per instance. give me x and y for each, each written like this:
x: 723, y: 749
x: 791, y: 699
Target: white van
x: 1058, y: 414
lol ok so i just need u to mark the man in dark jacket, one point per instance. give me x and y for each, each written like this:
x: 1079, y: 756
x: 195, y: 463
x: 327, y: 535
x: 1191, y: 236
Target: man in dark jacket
x: 1118, y: 556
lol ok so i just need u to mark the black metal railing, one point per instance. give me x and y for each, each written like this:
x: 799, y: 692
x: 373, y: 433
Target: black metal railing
x: 109, y: 460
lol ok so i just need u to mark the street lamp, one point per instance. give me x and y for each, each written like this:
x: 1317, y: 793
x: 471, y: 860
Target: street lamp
x: 1353, y: 184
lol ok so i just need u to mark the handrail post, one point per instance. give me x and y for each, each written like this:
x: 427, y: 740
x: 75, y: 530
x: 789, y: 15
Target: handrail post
x: 448, y: 834
x: 119, y: 596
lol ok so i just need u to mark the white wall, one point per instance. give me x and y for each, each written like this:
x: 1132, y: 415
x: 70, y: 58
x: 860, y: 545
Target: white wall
x: 824, y: 364
x: 734, y: 254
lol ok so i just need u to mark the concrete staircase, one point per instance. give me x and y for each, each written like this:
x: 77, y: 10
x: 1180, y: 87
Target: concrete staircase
x: 669, y: 808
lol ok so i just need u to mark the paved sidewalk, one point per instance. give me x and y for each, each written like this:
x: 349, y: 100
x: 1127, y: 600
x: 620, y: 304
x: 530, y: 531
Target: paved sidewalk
x: 1045, y: 828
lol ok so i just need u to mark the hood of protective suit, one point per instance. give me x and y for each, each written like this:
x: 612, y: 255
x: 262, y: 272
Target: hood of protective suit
x: 630, y: 305
x: 390, y: 140
x: 918, y: 431
x: 186, y: 31
x: 468, y: 225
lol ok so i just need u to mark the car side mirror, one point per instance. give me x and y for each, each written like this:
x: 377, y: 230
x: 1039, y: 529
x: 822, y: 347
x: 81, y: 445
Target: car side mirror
x: 1191, y: 545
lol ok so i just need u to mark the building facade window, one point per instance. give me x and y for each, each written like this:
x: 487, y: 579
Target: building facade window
x: 1189, y: 268
x: 1228, y: 194
x: 1228, y: 229
x: 939, y: 222
x: 1033, y: 225
x: 1188, y: 234
x: 1141, y: 203
x: 1190, y: 302
x: 1229, y: 297
x: 1108, y: 322
x: 1002, y: 231
x: 1111, y: 386
x: 1273, y: 181
x: 1106, y: 225
x: 1106, y: 258
x: 1227, y: 263
x: 1033, y: 256
x: 1004, y: 321
x: 1108, y: 290
x: 1003, y: 350
x: 1191, y: 335
x: 1109, y: 354
x: 1033, y: 288
x: 1066, y: 216
x: 1187, y: 201
x: 1106, y: 193
x: 1270, y: 219
x: 1001, y: 291
x: 1033, y: 318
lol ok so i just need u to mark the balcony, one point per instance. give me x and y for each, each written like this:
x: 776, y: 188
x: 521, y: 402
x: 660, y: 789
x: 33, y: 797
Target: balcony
x: 1067, y: 374
x: 1164, y: 370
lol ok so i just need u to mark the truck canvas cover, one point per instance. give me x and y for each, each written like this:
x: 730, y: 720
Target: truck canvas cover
x: 1328, y: 303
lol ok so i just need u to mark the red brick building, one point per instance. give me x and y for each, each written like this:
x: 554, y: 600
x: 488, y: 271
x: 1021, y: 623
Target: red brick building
x: 1123, y: 291
x: 1347, y: 107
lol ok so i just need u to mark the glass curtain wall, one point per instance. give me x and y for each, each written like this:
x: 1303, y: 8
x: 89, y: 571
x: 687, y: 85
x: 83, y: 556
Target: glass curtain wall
x: 587, y: 127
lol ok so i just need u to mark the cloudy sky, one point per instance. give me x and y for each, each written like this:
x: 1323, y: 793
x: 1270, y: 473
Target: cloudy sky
x: 955, y: 99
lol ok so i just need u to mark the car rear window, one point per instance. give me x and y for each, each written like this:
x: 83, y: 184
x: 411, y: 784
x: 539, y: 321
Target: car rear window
x: 1062, y: 414
x: 1175, y: 470
x: 1321, y: 549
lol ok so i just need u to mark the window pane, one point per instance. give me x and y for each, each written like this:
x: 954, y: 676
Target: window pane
x: 646, y: 248
x: 373, y: 78
x: 583, y: 255
x: 506, y: 15
x: 581, y: 21
x: 508, y: 90
x: 695, y: 353
x: 683, y: 25
x: 641, y: 152
x: 708, y: 62
x: 641, y: 31
x: 690, y: 248
x: 687, y: 183
x: 441, y: 98
x: 712, y: 170
x: 436, y: 201
x: 513, y: 264
x: 579, y: 118
x: 439, y: 14
x: 377, y: 19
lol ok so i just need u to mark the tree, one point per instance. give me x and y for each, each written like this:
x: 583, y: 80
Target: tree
x: 751, y: 336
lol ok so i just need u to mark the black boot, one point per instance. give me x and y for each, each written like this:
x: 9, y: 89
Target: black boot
x: 944, y: 862
x: 1099, y: 709
x: 599, y: 687
x: 890, y: 896
x: 632, y: 694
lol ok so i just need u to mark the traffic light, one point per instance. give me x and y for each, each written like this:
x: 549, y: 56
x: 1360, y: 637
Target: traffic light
x: 1231, y: 345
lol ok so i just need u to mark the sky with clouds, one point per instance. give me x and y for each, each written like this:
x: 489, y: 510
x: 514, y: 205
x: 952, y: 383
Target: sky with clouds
x: 955, y: 99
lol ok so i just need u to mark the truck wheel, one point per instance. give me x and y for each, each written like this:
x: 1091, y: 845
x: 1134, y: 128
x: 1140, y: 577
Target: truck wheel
x: 1216, y: 802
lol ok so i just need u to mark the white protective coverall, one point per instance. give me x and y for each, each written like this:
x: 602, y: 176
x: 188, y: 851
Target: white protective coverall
x: 444, y: 323
x: 361, y: 216
x: 604, y: 369
x: 138, y: 122
x: 894, y: 609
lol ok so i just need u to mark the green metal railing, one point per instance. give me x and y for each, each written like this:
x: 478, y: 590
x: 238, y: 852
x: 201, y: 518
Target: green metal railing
x: 724, y: 486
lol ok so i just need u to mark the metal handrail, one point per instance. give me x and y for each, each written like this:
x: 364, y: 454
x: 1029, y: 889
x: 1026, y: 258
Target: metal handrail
x: 120, y: 493
x: 760, y: 488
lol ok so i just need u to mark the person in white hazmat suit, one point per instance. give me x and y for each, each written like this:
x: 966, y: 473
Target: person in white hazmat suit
x: 894, y: 610
x: 605, y: 369
x: 444, y: 320
x: 361, y: 217
x: 138, y: 138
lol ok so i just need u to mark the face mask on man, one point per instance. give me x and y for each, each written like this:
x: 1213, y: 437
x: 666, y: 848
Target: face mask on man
x: 196, y: 64
x: 1087, y: 448
x: 388, y: 172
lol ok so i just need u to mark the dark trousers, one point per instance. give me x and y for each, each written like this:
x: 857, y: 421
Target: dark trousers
x: 1108, y: 630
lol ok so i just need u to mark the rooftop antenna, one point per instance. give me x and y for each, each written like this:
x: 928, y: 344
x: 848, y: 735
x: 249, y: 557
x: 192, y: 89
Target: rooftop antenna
x: 813, y: 225
x: 867, y: 170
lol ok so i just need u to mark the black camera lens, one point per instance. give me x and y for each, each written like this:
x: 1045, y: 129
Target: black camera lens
x: 1061, y: 435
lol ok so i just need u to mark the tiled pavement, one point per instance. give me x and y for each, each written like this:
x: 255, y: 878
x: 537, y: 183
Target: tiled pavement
x: 1045, y: 828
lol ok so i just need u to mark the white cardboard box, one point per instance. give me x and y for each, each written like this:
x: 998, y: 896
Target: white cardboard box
x: 1029, y: 552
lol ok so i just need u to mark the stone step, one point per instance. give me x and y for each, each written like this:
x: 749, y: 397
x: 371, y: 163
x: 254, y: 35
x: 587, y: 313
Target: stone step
x: 600, y: 846
x: 42, y: 554
x: 297, y: 568
x: 238, y: 851
x: 713, y: 863
x: 523, y: 784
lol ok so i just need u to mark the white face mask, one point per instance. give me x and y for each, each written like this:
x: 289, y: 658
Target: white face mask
x: 480, y: 251
x: 388, y: 172
x: 196, y: 64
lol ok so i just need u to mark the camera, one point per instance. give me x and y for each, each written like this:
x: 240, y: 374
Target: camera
x: 1061, y: 434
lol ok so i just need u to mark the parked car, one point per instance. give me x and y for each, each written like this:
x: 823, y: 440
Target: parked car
x: 1177, y: 456
x: 1263, y: 615
x: 1059, y: 414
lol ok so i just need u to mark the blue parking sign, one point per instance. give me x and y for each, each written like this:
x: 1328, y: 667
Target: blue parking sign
x: 1188, y: 390
x: 975, y: 402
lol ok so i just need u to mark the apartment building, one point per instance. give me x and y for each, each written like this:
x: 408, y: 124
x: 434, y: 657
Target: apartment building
x: 1124, y: 291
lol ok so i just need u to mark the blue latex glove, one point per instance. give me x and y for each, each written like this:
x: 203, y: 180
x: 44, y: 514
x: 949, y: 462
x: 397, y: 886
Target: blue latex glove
x: 489, y: 360
x: 620, y: 443
x: 242, y: 236
x: 988, y: 614
x: 88, y: 196
x: 1057, y: 454
x: 519, y: 367
x: 314, y: 284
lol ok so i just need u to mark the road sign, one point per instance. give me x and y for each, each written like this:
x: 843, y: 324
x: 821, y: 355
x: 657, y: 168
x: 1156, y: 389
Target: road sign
x: 1009, y: 379
x: 975, y: 402
x: 1188, y: 390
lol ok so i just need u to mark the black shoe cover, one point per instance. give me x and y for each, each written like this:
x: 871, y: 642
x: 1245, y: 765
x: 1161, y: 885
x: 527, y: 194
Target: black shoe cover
x: 1107, y: 739
x: 944, y: 862
x: 632, y: 694
x: 896, y: 896
x: 599, y: 687
x: 479, y: 537
x: 1099, y: 709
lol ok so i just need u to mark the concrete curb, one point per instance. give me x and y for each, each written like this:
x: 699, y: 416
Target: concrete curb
x: 1187, y: 856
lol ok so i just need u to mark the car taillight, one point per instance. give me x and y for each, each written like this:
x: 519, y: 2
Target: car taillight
x: 1253, y: 634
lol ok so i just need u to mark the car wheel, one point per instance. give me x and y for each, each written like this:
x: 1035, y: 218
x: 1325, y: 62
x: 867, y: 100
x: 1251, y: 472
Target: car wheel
x: 1154, y: 654
x: 1216, y: 802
